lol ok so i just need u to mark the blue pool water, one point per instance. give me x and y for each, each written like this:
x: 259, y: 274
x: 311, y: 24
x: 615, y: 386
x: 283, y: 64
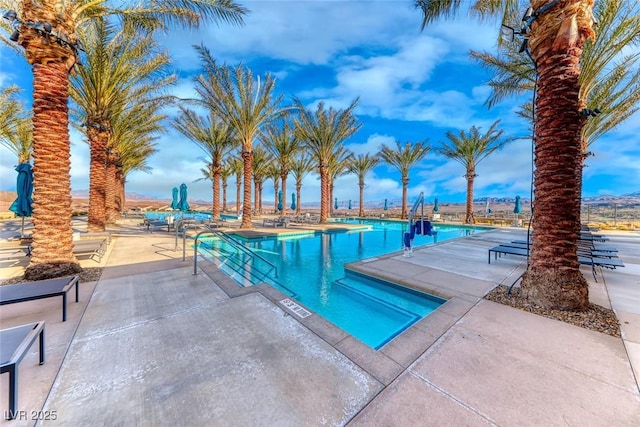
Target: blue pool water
x: 310, y: 269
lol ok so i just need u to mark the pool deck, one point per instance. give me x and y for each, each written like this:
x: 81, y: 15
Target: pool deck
x: 152, y: 344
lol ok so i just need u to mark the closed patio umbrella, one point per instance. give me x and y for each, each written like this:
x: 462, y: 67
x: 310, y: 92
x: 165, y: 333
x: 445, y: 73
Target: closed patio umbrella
x: 436, y: 208
x: 293, y: 201
x: 386, y: 205
x: 280, y: 200
x: 24, y: 187
x: 349, y: 204
x: 518, y: 207
x: 335, y: 203
x: 174, y: 198
x: 183, y: 204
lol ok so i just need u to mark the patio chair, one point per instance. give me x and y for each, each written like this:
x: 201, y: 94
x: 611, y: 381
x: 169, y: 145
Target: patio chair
x: 39, y: 289
x: 14, y: 345
x: 94, y: 249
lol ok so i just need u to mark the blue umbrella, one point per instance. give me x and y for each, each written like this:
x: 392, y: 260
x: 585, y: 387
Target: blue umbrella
x: 386, y: 206
x: 349, y: 204
x: 518, y: 208
x: 183, y: 204
x: 24, y: 187
x: 280, y: 200
x: 335, y: 204
x: 436, y: 208
x: 174, y: 197
x: 293, y: 201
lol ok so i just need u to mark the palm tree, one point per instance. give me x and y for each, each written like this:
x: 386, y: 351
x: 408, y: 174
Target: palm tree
x: 403, y: 158
x: 247, y: 105
x: 469, y: 150
x: 225, y: 174
x: 132, y: 142
x: 361, y: 165
x: 322, y: 132
x: 609, y: 77
x: 215, y: 138
x: 16, y: 131
x: 237, y: 168
x: 11, y: 115
x: 556, y: 34
x: 338, y: 166
x: 282, y: 142
x: 300, y: 167
x: 261, y: 162
x: 273, y: 173
x: 53, y: 54
x: 118, y: 71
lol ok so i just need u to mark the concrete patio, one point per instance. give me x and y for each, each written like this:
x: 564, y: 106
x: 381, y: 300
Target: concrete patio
x: 152, y: 344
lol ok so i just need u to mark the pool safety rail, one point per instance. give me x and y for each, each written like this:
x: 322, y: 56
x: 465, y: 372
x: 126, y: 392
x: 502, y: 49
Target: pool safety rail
x: 421, y: 227
x: 228, y: 239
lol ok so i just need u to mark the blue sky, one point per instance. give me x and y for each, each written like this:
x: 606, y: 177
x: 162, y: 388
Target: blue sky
x: 413, y: 86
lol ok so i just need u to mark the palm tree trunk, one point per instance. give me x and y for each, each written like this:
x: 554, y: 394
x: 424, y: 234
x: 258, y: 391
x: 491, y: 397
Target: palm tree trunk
x: 468, y: 215
x: 405, y: 187
x: 361, y: 210
x: 247, y: 158
x: 216, y: 169
x: 52, y: 253
x: 283, y: 178
x: 238, y: 192
x: 324, y: 194
x: 224, y: 195
x: 111, y: 188
x: 298, y: 193
x: 554, y: 279
x: 97, y: 215
x: 276, y: 187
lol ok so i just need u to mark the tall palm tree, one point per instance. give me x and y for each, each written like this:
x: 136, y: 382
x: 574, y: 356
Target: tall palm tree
x: 118, y: 71
x: 609, y: 75
x: 282, y: 142
x: 225, y: 174
x: 403, y: 158
x: 53, y: 54
x: 11, y: 114
x: 300, y: 167
x: 273, y: 173
x: 361, y: 165
x: 322, y: 132
x: 215, y: 137
x: 469, y: 149
x: 237, y: 168
x: 556, y: 34
x: 262, y: 160
x: 338, y: 166
x: 247, y: 104
x: 133, y: 135
x: 16, y: 129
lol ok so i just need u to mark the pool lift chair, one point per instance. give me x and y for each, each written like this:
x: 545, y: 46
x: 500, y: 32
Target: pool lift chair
x: 420, y: 227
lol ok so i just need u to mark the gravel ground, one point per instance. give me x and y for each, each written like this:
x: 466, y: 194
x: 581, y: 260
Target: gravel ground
x: 595, y: 318
x: 87, y: 275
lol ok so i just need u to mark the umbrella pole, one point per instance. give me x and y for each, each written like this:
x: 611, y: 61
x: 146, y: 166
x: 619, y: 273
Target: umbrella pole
x: 22, y: 230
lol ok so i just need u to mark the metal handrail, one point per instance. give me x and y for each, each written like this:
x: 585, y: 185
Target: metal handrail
x: 233, y: 242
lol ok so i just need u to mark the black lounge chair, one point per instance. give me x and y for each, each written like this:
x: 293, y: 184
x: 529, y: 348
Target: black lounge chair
x: 14, y: 345
x: 30, y: 291
x: 584, y: 251
x: 593, y: 261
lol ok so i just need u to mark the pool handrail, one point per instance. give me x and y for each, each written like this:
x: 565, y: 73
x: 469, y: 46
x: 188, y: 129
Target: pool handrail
x: 234, y: 243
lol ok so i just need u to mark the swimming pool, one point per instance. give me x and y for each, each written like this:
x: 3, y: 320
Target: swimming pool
x: 310, y: 269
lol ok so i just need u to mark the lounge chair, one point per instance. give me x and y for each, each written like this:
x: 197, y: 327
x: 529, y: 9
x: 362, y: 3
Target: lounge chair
x: 15, y: 343
x: 91, y: 248
x: 581, y: 250
x: 593, y: 261
x: 39, y: 289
